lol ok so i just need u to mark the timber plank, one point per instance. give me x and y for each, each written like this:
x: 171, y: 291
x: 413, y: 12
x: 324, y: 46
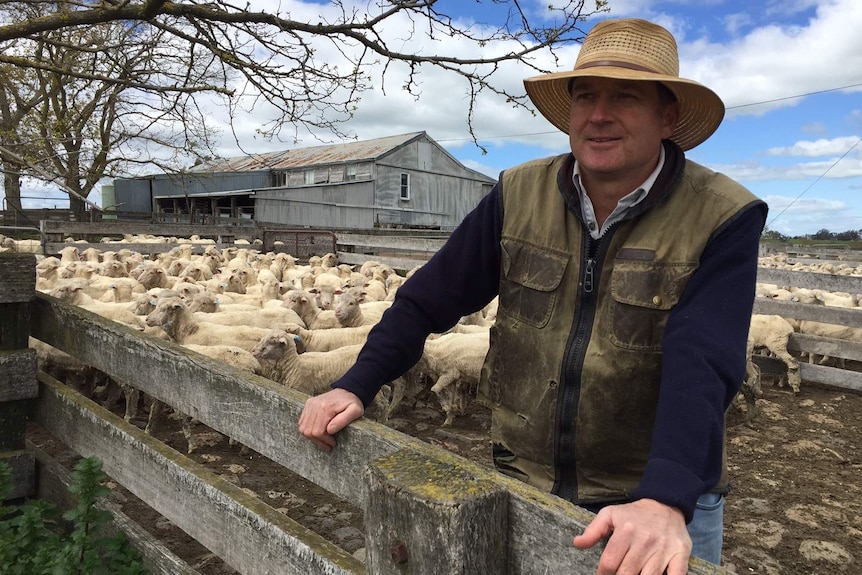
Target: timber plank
x: 831, y: 376
x: 54, y: 482
x: 18, y: 375
x: 851, y: 317
x: 23, y: 467
x: 811, y: 280
x: 201, y: 503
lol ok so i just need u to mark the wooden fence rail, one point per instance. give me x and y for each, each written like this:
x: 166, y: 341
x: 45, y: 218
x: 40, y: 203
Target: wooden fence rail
x: 427, y: 511
x: 836, y: 348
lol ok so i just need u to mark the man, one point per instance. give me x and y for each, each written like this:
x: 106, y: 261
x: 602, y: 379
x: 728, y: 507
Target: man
x: 626, y: 281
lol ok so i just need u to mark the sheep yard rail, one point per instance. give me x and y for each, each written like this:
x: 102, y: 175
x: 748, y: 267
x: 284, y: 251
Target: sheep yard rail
x: 836, y: 348
x: 447, y: 514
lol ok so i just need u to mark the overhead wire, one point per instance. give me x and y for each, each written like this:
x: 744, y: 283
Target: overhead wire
x: 736, y: 107
x: 820, y: 177
x: 759, y: 103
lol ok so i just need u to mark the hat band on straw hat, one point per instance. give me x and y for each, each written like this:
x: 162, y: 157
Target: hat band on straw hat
x: 617, y: 64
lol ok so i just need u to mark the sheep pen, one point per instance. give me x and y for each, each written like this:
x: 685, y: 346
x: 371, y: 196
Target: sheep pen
x: 781, y: 517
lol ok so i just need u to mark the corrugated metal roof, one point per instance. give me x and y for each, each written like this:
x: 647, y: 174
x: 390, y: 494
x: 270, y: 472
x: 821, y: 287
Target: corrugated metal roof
x: 312, y: 156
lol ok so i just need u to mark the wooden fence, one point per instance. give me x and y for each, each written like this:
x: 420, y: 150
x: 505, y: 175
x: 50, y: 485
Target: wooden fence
x: 835, y: 348
x: 426, y: 510
x: 401, y: 249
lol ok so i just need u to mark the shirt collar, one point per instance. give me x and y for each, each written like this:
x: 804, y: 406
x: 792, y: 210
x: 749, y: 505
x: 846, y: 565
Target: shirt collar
x: 623, y: 206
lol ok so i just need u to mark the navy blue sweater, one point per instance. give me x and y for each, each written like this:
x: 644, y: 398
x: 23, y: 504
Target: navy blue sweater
x: 714, y: 311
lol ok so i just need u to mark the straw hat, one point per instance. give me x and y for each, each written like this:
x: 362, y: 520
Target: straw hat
x: 631, y: 49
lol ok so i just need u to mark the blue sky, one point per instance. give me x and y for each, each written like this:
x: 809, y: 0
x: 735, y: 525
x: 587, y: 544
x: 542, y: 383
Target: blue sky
x: 789, y: 71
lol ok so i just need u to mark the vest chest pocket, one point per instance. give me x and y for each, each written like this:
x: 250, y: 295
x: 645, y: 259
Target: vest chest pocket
x: 529, y: 281
x: 642, y: 296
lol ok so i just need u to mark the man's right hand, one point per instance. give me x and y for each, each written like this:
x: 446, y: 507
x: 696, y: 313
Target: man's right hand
x: 325, y: 415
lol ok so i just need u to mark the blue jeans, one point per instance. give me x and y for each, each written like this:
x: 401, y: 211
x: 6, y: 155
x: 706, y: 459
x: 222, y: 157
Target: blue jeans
x: 707, y: 528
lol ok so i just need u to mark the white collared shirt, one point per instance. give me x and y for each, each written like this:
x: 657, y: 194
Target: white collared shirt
x: 623, y: 206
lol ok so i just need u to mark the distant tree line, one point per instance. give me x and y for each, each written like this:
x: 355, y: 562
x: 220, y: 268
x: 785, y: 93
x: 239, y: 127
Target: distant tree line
x: 820, y: 235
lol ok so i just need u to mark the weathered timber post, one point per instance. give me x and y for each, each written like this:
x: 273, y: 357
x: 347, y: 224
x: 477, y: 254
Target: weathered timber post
x: 429, y: 517
x: 17, y: 368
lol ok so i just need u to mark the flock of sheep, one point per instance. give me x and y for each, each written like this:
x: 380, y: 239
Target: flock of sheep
x: 303, y: 325
x: 771, y: 333
x: 299, y: 325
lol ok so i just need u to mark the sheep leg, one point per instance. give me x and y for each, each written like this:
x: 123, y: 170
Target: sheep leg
x: 243, y: 449
x: 398, y: 390
x: 187, y: 422
x: 446, y: 395
x: 793, y: 377
x: 133, y: 396
x: 156, y: 411
x: 751, y: 391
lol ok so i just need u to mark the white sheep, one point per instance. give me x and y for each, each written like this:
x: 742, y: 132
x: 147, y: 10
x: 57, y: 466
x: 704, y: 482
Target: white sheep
x: 772, y: 332
x: 182, y: 327
x: 312, y: 316
x: 351, y: 313
x: 118, y: 312
x: 453, y: 363
x: 328, y: 339
x: 311, y: 372
x: 832, y: 331
x: 264, y: 318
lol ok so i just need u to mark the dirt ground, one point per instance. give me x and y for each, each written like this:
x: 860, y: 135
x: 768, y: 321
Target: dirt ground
x: 795, y: 508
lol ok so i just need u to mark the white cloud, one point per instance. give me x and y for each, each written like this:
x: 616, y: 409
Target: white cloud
x: 817, y: 148
x: 796, y: 216
x: 774, y: 61
x: 814, y: 128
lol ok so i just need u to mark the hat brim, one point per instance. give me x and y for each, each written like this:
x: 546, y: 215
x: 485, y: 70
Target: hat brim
x: 700, y: 109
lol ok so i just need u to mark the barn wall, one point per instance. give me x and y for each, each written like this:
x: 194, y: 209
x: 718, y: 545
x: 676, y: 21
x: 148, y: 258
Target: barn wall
x: 333, y: 205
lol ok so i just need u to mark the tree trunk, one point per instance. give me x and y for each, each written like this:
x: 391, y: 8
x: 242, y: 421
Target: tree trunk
x: 12, y: 188
x: 77, y: 211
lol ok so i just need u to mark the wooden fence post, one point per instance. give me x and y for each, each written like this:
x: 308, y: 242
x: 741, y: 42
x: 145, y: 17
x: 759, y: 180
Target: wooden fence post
x: 429, y: 517
x: 18, y: 381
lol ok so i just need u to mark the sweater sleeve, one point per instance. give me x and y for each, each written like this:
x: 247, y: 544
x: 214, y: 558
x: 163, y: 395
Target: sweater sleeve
x: 462, y: 277
x: 703, y: 366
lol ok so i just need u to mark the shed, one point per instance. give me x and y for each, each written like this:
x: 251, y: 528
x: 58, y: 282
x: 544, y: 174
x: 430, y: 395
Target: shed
x: 403, y: 181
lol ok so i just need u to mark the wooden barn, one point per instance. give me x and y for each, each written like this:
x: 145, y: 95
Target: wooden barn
x: 404, y: 181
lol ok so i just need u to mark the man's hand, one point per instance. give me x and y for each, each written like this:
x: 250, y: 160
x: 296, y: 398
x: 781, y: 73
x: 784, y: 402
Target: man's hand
x: 325, y: 415
x: 644, y: 537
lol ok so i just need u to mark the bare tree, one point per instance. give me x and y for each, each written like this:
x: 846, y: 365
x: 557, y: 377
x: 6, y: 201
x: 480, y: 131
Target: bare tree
x: 18, y: 100
x: 248, y: 56
x: 96, y: 107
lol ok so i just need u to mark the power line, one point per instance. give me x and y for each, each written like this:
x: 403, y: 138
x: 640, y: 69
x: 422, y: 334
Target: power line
x: 820, y: 177
x: 815, y: 93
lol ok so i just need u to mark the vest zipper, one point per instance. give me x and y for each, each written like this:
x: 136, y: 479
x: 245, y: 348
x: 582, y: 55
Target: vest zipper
x: 565, y: 436
x: 588, y: 273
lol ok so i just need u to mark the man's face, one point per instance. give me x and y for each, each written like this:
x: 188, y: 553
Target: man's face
x: 616, y: 128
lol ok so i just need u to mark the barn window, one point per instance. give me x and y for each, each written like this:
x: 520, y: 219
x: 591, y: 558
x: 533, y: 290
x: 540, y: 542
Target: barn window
x: 405, y: 186
x: 279, y: 179
x: 336, y: 174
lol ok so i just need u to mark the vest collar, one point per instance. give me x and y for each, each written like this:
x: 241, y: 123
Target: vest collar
x: 674, y: 163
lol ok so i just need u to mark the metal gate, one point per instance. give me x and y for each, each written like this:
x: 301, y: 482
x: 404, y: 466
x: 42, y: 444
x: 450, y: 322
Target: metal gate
x: 301, y: 244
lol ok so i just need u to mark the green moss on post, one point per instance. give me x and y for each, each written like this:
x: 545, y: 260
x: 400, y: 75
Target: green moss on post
x: 426, y: 517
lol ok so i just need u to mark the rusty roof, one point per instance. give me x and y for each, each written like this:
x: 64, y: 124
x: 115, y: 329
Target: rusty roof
x: 311, y: 156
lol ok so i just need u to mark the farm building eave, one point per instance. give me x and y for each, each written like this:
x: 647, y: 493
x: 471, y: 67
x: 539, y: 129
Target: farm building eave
x: 366, y: 150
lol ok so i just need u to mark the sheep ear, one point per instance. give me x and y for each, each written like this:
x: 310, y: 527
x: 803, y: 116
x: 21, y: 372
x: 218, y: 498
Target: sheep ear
x: 338, y: 292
